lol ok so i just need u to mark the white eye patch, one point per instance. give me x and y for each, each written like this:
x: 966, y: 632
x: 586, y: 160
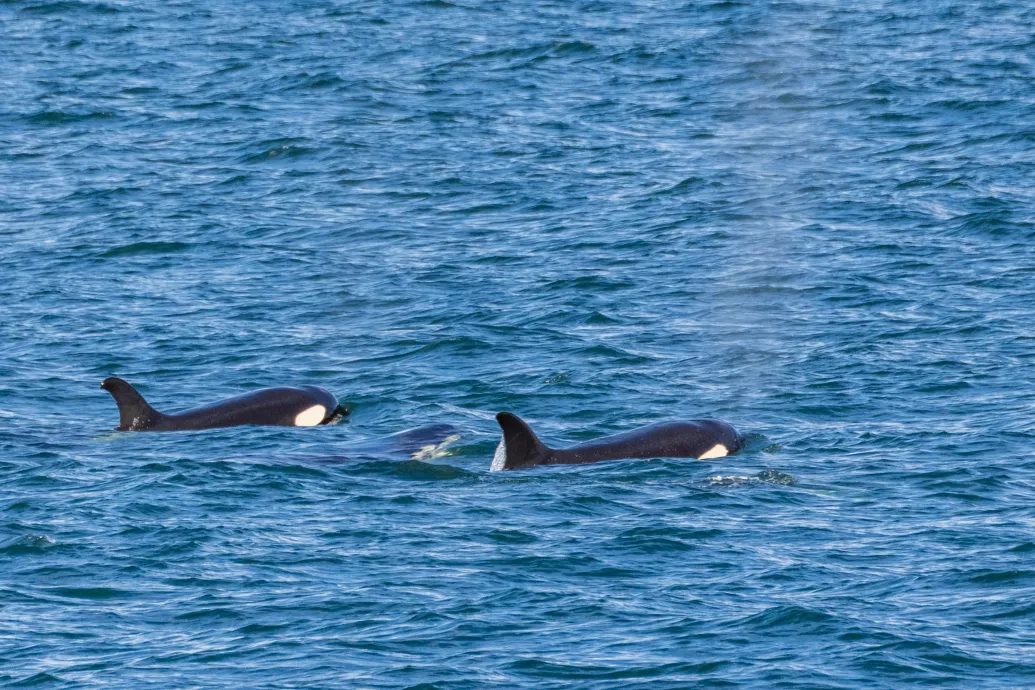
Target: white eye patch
x: 716, y: 451
x: 313, y: 416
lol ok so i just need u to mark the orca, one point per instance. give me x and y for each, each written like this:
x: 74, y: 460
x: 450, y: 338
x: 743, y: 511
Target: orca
x: 422, y: 443
x: 701, y: 439
x: 302, y: 406
x: 428, y: 442
x: 425, y: 443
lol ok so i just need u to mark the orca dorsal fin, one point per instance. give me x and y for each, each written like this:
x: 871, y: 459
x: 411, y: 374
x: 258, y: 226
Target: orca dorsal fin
x: 134, y: 412
x: 521, y: 447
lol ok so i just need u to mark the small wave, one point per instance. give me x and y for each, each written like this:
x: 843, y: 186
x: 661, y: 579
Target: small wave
x: 788, y: 616
x: 600, y: 318
x: 71, y: 6
x: 684, y: 185
x: 568, y: 47
x: 512, y: 536
x: 657, y: 543
x: 146, y: 248
x: 57, y: 117
x: 91, y: 592
x: 321, y: 81
x: 1002, y: 577
x: 40, y: 679
x: 415, y: 470
x: 28, y: 544
x: 260, y: 629
x: 210, y: 614
x: 278, y: 150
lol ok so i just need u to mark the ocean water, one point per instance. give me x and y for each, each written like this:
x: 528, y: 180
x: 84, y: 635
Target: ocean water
x: 814, y: 220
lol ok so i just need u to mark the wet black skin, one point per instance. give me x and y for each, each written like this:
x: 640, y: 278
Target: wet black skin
x: 690, y: 439
x: 404, y: 444
x: 269, y: 406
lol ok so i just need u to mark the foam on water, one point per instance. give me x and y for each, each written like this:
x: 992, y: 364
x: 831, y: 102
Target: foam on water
x: 435, y: 451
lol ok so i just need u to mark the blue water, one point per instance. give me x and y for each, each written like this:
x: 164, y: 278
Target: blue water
x: 814, y: 220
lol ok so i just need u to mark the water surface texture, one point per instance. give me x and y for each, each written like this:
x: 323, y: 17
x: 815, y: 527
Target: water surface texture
x: 815, y: 220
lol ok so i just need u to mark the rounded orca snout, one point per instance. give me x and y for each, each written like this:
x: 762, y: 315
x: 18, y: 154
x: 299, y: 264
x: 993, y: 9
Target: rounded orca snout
x: 338, y: 413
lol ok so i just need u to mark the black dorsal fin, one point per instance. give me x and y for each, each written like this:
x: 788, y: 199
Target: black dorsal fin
x: 522, y: 447
x: 134, y: 412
